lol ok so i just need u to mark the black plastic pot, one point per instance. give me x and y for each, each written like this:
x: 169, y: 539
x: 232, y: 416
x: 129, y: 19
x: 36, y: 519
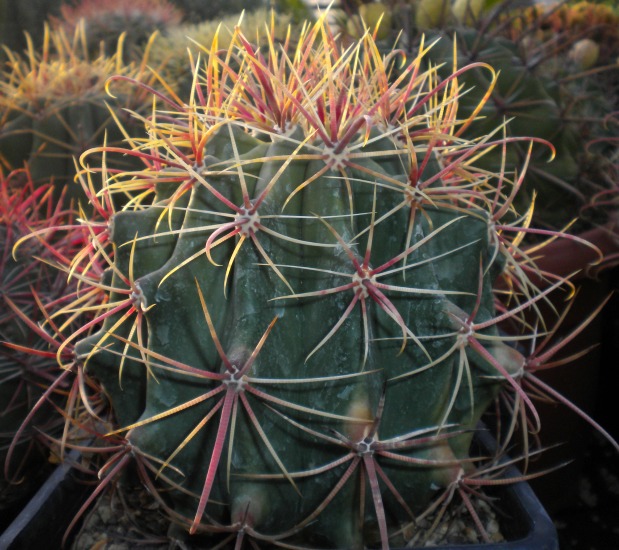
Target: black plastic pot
x: 523, y: 520
x: 44, y: 520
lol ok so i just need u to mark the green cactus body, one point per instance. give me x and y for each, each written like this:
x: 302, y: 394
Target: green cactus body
x: 303, y: 334
x: 51, y: 140
x: 128, y: 232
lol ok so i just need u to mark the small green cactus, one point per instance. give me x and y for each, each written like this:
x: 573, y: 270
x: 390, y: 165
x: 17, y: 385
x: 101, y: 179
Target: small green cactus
x: 556, y: 65
x: 534, y: 106
x: 300, y: 331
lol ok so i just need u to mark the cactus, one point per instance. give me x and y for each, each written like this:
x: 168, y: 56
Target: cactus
x: 556, y: 65
x: 537, y: 107
x: 566, y: 22
x: 553, y: 90
x: 197, y: 10
x: 29, y: 288
x: 104, y: 22
x: 300, y: 331
x: 54, y: 106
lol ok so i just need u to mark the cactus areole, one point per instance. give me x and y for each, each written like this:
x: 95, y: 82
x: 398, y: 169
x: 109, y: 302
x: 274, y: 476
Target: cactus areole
x: 300, y: 331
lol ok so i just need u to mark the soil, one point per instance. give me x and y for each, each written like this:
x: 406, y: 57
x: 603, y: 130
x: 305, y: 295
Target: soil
x: 123, y: 520
x: 129, y: 519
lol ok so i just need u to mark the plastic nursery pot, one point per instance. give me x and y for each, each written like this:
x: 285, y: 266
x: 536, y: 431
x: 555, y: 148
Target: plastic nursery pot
x: 44, y: 520
x: 565, y: 434
x: 15, y: 494
x: 524, y: 522
x: 564, y: 257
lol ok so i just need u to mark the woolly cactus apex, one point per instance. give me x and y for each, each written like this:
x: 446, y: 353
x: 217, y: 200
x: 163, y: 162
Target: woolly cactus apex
x: 301, y: 323
x: 54, y: 106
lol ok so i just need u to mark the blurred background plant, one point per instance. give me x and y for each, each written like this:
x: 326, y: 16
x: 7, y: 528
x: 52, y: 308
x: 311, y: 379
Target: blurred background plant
x: 31, y: 284
x: 559, y: 78
x: 54, y: 105
x: 171, y: 51
x: 104, y: 21
x: 199, y: 10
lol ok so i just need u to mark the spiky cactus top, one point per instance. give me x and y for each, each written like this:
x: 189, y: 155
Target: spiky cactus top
x: 300, y: 332
x: 170, y: 51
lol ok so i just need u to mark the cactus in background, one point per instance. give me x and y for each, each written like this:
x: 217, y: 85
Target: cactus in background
x: 300, y: 330
x: 555, y: 90
x: 553, y: 81
x: 565, y: 22
x: 29, y: 288
x: 105, y: 21
x: 536, y: 105
x: 54, y: 106
x: 198, y: 10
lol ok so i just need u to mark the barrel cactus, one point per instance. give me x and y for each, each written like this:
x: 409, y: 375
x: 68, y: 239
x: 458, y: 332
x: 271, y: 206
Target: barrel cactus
x: 104, y: 22
x: 54, y: 106
x: 300, y: 331
x: 27, y: 368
